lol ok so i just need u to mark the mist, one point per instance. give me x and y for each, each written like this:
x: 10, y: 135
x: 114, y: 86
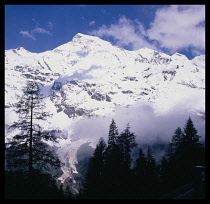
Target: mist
x: 148, y: 125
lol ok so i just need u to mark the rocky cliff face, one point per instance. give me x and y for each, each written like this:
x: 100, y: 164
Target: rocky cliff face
x: 89, y: 78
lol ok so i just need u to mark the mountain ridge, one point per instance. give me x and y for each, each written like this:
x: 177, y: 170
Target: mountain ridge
x: 89, y: 78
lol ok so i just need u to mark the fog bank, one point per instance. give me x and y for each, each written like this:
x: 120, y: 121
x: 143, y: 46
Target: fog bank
x: 147, y: 125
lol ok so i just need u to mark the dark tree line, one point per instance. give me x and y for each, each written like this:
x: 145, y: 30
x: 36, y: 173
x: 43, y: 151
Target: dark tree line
x: 112, y: 172
x: 111, y: 175
x: 28, y: 157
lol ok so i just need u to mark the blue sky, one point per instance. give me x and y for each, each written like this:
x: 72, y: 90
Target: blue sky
x: 166, y: 28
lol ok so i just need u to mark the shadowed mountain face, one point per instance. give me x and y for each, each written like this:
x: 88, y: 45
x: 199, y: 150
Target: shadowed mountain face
x: 87, y: 81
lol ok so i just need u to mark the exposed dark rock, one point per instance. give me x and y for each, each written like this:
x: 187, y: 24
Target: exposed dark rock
x: 59, y: 109
x: 70, y: 111
x: 74, y: 82
x: 19, y: 69
x: 127, y: 92
x: 130, y: 78
x: 80, y: 111
x: 56, y: 86
x: 147, y: 76
x: 98, y: 97
x: 168, y: 73
x: 143, y: 93
x: 41, y: 78
x: 108, y: 98
x: 29, y: 76
x: 111, y: 92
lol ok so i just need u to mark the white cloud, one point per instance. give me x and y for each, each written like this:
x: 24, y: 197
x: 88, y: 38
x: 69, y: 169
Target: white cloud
x: 27, y: 34
x: 92, y: 23
x: 126, y: 33
x: 37, y: 30
x: 41, y: 30
x: 177, y: 27
x: 50, y: 25
x: 144, y: 122
x: 103, y: 11
x: 174, y: 27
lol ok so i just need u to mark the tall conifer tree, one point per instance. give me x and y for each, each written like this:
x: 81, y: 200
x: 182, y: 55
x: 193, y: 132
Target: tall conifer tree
x: 95, y: 174
x: 113, y: 164
x: 28, y: 149
x: 191, y: 149
x: 126, y: 142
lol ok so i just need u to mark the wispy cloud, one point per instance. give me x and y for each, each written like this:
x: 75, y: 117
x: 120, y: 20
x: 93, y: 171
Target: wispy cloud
x: 27, y: 34
x: 41, y: 30
x: 91, y: 23
x: 149, y: 128
x: 104, y: 12
x: 50, y: 25
x: 174, y: 28
x: 37, y: 30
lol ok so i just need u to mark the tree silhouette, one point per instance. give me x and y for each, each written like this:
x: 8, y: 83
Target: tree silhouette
x: 95, y: 174
x: 110, y: 174
x: 191, y: 149
x: 141, y: 164
x: 126, y: 142
x: 175, y: 154
x: 151, y: 174
x: 164, y: 175
x: 27, y: 151
x: 184, y: 152
x: 113, y: 134
x: 113, y: 164
x: 140, y: 179
x: 177, y: 140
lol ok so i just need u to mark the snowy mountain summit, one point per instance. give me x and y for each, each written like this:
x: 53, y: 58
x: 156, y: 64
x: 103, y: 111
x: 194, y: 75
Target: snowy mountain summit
x: 89, y: 78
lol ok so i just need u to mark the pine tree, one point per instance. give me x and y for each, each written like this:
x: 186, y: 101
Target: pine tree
x: 164, y: 175
x: 177, y: 139
x: 151, y: 173
x: 28, y: 147
x: 28, y: 151
x: 176, y: 144
x: 126, y: 142
x: 113, y: 164
x: 190, y: 133
x: 141, y: 164
x: 163, y: 171
x: 112, y: 150
x: 175, y: 154
x: 94, y: 177
x: 184, y: 152
x: 113, y: 133
x: 191, y: 149
x: 140, y: 179
x: 150, y: 163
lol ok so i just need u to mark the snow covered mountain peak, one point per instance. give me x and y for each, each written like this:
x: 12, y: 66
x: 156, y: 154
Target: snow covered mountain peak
x: 199, y: 61
x: 84, y: 36
x: 89, y: 78
x: 21, y: 49
x: 178, y: 56
x: 18, y: 51
x: 116, y: 73
x: 84, y: 40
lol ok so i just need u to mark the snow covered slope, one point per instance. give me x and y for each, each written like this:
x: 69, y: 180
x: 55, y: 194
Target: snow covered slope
x: 89, y: 78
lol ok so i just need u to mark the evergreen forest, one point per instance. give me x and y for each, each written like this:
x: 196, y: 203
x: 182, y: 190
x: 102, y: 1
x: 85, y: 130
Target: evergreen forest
x: 112, y: 172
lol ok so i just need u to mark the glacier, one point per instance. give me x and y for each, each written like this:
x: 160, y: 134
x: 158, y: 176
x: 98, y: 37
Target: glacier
x: 88, y: 81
